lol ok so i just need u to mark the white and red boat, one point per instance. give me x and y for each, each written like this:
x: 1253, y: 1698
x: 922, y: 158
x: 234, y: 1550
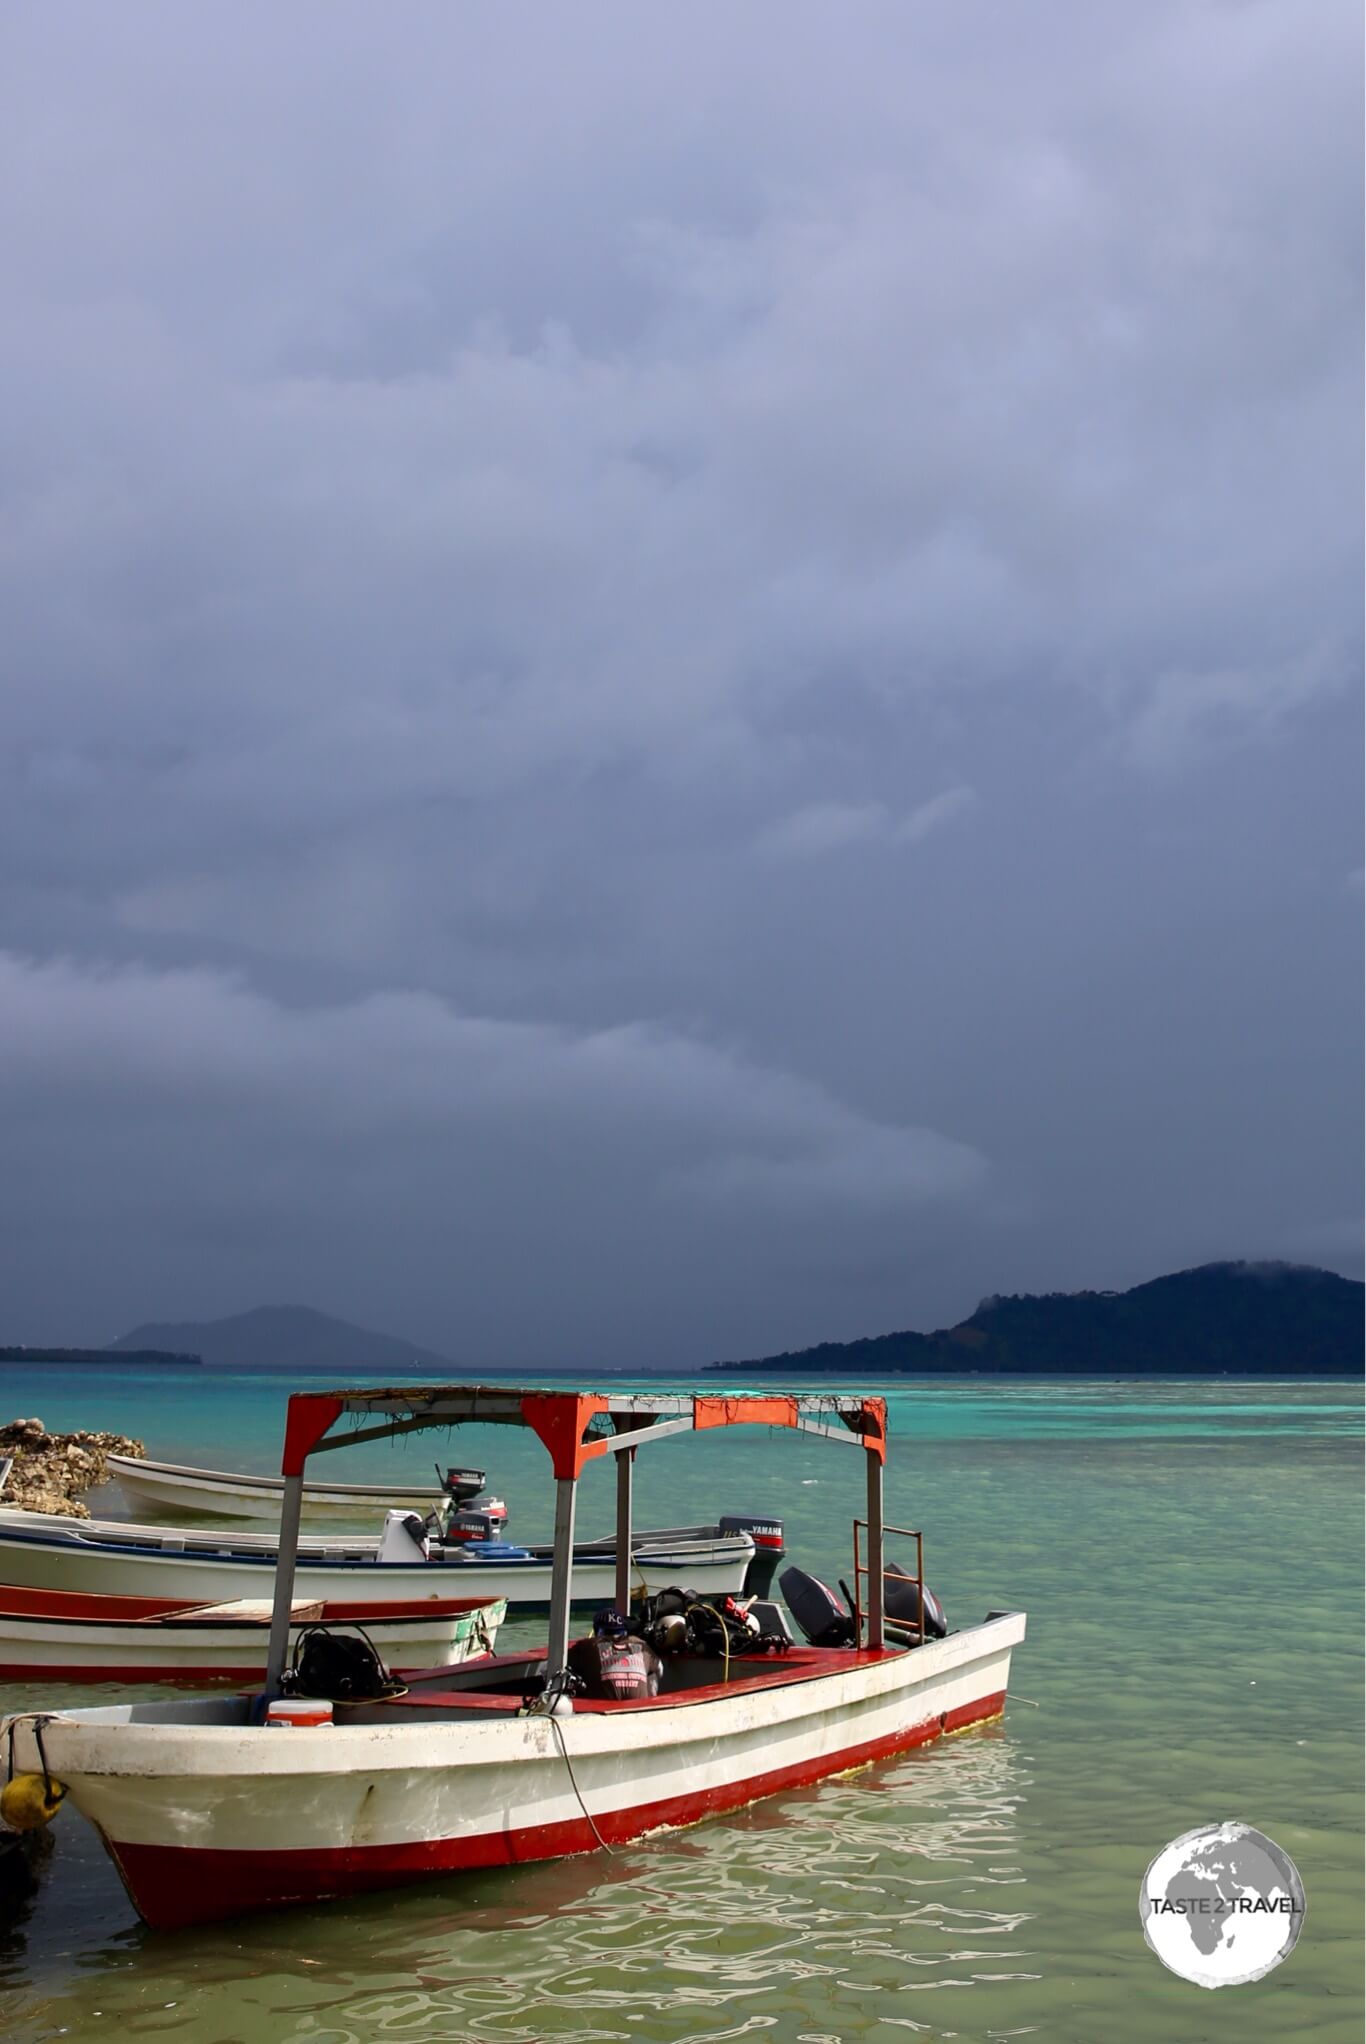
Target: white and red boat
x: 104, y: 1557
x: 208, y: 1811
x: 66, y: 1637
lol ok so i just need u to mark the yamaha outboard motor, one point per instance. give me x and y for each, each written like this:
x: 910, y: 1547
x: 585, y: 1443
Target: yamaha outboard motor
x: 464, y: 1485
x: 824, y: 1618
x: 902, y: 1604
x: 767, y: 1535
x: 469, y: 1514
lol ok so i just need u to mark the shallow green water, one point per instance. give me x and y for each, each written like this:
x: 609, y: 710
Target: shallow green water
x: 1190, y: 1559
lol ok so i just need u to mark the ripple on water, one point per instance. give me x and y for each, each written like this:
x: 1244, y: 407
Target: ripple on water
x: 900, y: 1879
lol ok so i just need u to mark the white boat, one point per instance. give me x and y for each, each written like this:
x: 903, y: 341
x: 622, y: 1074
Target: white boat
x: 208, y: 1809
x: 150, y: 1488
x: 105, y: 1557
x: 154, y: 1488
x: 50, y: 1634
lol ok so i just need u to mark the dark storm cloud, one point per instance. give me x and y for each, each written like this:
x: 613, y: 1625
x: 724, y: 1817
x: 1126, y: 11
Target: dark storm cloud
x: 675, y: 686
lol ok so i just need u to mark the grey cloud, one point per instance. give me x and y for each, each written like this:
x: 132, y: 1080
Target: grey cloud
x: 501, y: 515
x: 485, y: 1128
x: 827, y: 826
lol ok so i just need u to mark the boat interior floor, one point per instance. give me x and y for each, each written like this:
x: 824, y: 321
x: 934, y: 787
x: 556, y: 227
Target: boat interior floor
x: 504, y: 1684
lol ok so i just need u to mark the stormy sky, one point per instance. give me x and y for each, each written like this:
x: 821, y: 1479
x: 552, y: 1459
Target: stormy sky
x: 677, y: 682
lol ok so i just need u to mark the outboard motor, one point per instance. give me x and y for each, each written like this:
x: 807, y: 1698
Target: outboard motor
x: 404, y: 1538
x: 463, y: 1490
x: 463, y: 1526
x: 902, y: 1604
x: 466, y: 1513
x: 463, y: 1485
x: 825, y: 1619
x: 767, y: 1535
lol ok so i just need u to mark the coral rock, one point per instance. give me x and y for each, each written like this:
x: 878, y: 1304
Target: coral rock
x: 50, y: 1472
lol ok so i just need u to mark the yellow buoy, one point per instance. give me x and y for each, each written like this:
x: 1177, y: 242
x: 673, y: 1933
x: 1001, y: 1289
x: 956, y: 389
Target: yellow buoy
x: 30, y: 1801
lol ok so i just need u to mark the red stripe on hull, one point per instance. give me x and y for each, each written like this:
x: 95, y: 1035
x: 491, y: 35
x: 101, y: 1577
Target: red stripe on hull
x: 173, y: 1886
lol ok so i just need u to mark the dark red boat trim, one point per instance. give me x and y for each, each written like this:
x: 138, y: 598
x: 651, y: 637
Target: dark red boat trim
x: 172, y: 1886
x: 802, y: 1664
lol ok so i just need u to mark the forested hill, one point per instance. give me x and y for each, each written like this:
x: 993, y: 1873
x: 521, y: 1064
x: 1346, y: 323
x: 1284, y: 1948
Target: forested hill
x: 1260, y: 1319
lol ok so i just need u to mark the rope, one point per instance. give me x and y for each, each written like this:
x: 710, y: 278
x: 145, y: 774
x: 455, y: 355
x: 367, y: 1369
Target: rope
x: 573, y: 1781
x: 53, y: 1790
x: 543, y: 1706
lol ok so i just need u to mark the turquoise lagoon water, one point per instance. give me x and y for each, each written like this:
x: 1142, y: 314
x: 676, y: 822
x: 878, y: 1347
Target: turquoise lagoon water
x: 1190, y: 1558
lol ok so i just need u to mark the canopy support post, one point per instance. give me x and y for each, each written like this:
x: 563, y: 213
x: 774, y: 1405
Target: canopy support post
x: 625, y: 1466
x: 873, y: 1632
x: 561, y: 1574
x: 291, y: 1512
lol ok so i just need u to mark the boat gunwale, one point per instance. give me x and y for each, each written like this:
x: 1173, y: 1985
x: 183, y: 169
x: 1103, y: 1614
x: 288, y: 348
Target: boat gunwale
x: 149, y: 1627
x: 202, y: 1749
x: 336, y: 1610
x: 209, y: 1547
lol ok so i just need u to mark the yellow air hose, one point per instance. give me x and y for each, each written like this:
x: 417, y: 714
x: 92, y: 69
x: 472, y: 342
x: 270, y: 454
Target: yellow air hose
x: 725, y: 1636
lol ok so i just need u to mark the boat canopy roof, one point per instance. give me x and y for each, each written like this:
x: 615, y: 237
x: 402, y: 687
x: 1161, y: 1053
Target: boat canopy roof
x: 575, y: 1426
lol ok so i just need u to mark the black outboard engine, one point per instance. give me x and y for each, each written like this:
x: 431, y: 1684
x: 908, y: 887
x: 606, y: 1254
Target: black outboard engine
x: 767, y: 1535
x: 824, y: 1618
x: 902, y: 1604
x: 463, y: 1485
x: 467, y: 1513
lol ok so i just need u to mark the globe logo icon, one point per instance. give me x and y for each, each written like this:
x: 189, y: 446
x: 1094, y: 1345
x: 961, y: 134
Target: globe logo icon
x: 1222, y: 1905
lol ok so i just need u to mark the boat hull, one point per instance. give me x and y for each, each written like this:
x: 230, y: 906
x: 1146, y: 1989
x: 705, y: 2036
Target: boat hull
x: 212, y: 1819
x: 95, y: 1639
x: 75, y: 1555
x: 151, y: 1488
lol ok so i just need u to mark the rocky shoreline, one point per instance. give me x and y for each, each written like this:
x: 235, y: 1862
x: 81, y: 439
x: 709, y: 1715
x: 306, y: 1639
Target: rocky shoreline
x: 52, y: 1471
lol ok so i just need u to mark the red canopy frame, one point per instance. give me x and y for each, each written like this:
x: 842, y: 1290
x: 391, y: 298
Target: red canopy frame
x: 564, y: 1420
x: 576, y: 1427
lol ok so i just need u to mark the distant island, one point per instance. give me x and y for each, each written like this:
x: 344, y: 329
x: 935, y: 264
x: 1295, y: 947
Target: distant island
x: 285, y: 1338
x: 1236, y: 1319
x: 17, y: 1353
